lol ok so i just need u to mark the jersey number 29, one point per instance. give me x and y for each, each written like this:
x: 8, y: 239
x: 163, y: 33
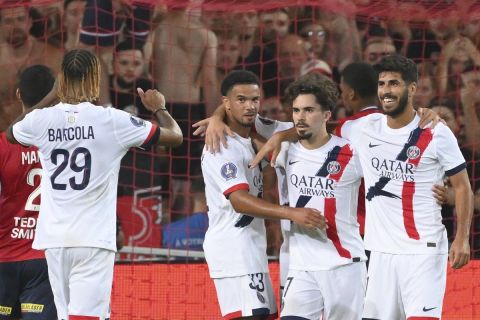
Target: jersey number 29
x: 63, y: 159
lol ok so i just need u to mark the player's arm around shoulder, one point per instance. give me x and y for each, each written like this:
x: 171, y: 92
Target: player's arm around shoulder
x: 170, y: 133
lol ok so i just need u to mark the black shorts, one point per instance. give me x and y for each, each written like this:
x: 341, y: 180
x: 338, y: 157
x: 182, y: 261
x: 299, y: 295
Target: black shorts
x: 186, y: 158
x: 25, y: 291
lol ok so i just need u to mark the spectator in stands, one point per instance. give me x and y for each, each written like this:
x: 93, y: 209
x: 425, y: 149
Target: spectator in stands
x: 471, y: 27
x: 139, y: 169
x: 274, y: 26
x: 376, y: 48
x: 271, y: 108
x: 128, y: 75
x: 316, y: 35
x: 254, y: 56
x: 426, y: 91
x: 457, y: 55
x: 67, y: 37
x: 343, y: 42
x: 228, y: 51
x: 292, y: 54
x: 19, y: 50
x: 184, y: 66
x: 470, y: 98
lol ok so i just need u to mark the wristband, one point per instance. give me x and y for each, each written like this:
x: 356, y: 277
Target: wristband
x: 162, y: 109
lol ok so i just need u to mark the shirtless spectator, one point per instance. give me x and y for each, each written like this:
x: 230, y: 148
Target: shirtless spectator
x: 185, y: 60
x: 18, y: 51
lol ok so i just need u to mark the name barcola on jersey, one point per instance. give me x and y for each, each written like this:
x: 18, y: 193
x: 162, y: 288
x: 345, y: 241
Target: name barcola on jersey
x: 71, y: 133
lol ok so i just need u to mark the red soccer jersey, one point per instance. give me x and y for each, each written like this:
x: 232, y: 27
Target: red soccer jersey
x: 20, y: 175
x: 361, y: 193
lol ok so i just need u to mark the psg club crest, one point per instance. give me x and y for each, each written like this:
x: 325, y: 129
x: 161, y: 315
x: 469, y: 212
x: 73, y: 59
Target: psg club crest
x: 413, y: 152
x: 137, y: 122
x: 333, y: 167
x: 229, y: 171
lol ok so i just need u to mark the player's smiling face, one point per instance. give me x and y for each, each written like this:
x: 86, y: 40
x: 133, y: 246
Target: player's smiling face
x: 308, y: 116
x: 394, y: 93
x: 242, y: 104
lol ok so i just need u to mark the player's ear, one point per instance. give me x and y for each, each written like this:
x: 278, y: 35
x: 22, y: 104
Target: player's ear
x: 412, y: 88
x: 328, y: 115
x: 17, y: 94
x: 226, y: 102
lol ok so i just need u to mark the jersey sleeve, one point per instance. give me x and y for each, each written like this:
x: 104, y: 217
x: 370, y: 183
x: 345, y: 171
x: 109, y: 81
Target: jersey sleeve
x: 448, y: 151
x: 267, y: 127
x: 356, y: 163
x: 226, y: 170
x: 281, y: 161
x: 24, y: 130
x: 351, y: 128
x: 132, y: 131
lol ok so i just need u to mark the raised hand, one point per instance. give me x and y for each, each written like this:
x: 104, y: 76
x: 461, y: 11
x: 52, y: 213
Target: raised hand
x: 152, y: 99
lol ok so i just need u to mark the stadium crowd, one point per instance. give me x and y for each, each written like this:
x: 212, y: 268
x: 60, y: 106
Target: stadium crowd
x: 184, y: 50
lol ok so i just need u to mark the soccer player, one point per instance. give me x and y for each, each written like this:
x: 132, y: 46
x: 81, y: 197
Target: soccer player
x: 358, y: 85
x: 327, y: 272
x: 235, y: 242
x: 404, y: 230
x: 25, y: 291
x: 80, y: 147
x: 401, y: 163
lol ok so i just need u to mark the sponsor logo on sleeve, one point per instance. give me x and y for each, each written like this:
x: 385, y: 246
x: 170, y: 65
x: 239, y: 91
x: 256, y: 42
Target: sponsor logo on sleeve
x: 137, y: 122
x: 229, y: 171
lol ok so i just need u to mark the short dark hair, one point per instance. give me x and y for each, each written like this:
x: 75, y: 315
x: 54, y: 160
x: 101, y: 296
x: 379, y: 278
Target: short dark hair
x: 129, y: 44
x: 236, y: 77
x: 34, y: 84
x: 324, y: 90
x: 397, y: 63
x: 362, y: 78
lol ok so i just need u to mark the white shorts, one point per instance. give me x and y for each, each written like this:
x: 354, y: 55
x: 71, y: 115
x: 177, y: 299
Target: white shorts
x: 245, y: 296
x: 81, y: 280
x: 337, y: 294
x: 402, y: 286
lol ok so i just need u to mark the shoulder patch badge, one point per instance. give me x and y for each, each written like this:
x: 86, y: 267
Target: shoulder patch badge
x: 229, y: 171
x: 137, y: 122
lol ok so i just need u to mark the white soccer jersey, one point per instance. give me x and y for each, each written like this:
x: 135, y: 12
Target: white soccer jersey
x: 326, y: 179
x: 400, y: 168
x: 235, y: 244
x: 267, y: 128
x: 81, y: 147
